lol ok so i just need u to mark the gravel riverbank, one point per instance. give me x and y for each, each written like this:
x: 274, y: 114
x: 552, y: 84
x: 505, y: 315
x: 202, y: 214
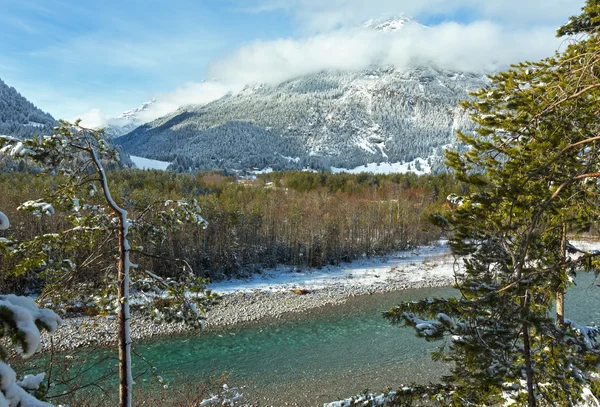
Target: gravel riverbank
x: 271, y: 296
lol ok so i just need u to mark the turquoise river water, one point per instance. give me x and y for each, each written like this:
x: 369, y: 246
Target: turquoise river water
x: 324, y: 355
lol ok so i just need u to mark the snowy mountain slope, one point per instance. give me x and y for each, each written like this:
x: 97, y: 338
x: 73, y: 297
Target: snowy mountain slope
x: 342, y: 119
x: 127, y: 121
x: 19, y: 117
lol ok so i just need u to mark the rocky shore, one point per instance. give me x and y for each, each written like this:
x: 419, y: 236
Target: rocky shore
x: 237, y: 308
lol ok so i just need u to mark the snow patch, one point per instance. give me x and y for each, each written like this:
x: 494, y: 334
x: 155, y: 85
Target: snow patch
x: 148, y: 164
x: 418, y: 166
x: 430, y: 263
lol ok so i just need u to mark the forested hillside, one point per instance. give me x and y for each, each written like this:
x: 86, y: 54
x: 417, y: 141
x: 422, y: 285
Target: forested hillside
x: 19, y: 117
x: 340, y: 119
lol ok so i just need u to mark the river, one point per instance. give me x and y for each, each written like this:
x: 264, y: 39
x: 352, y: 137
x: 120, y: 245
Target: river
x: 325, y: 354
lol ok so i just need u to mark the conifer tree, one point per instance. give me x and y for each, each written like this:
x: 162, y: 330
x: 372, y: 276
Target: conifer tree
x: 532, y: 171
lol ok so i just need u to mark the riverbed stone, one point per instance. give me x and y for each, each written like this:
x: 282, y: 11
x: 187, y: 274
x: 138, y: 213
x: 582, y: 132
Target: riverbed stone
x: 233, y: 309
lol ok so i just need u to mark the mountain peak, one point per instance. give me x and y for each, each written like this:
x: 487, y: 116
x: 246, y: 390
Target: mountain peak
x: 388, y: 24
x: 132, y: 114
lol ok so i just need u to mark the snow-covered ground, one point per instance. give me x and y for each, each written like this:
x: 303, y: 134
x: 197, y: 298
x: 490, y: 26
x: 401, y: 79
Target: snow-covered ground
x: 413, y: 267
x: 419, y: 166
x: 148, y: 164
x: 586, y: 245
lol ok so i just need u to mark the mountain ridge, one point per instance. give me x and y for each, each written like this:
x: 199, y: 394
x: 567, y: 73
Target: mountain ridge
x: 19, y: 117
x: 127, y: 120
x: 339, y: 119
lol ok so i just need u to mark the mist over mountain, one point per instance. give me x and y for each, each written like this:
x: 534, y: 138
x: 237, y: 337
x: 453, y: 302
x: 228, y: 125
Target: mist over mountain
x: 19, y: 117
x: 333, y: 118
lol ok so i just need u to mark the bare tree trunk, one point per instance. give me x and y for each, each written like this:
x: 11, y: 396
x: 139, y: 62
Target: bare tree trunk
x: 123, y: 320
x: 560, y: 293
x: 528, y: 370
x: 123, y: 316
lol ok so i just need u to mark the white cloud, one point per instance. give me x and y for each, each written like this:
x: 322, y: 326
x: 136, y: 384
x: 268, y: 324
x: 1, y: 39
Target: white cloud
x: 504, y: 33
x: 189, y: 94
x: 477, y: 47
x: 480, y: 46
x: 93, y: 118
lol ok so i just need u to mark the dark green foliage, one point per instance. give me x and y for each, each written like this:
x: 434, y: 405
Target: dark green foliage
x: 585, y: 23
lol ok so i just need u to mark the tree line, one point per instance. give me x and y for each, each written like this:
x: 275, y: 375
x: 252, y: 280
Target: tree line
x: 295, y: 218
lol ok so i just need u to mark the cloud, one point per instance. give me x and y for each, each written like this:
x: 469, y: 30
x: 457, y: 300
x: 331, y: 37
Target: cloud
x: 93, y: 118
x: 165, y: 103
x: 189, y: 94
x: 478, y: 47
x: 495, y: 37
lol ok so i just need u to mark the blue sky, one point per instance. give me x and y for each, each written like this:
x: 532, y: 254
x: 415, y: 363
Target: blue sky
x: 71, y: 57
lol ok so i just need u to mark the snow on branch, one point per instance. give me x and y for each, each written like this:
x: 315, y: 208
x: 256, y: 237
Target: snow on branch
x: 427, y: 327
x: 13, y: 146
x: 589, y: 334
x: 15, y: 393
x: 4, y: 223
x: 229, y: 397
x: 22, y: 321
x: 38, y: 208
x: 21, y: 317
x: 574, y: 249
x: 364, y: 400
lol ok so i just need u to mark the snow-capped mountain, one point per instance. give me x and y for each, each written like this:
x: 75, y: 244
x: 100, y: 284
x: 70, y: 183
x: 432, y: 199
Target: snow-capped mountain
x: 19, y: 117
x: 127, y: 121
x: 389, y: 24
x: 134, y: 114
x: 340, y: 119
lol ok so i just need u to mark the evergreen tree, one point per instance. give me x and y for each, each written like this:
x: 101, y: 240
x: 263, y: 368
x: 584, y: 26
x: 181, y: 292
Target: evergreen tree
x: 531, y: 172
